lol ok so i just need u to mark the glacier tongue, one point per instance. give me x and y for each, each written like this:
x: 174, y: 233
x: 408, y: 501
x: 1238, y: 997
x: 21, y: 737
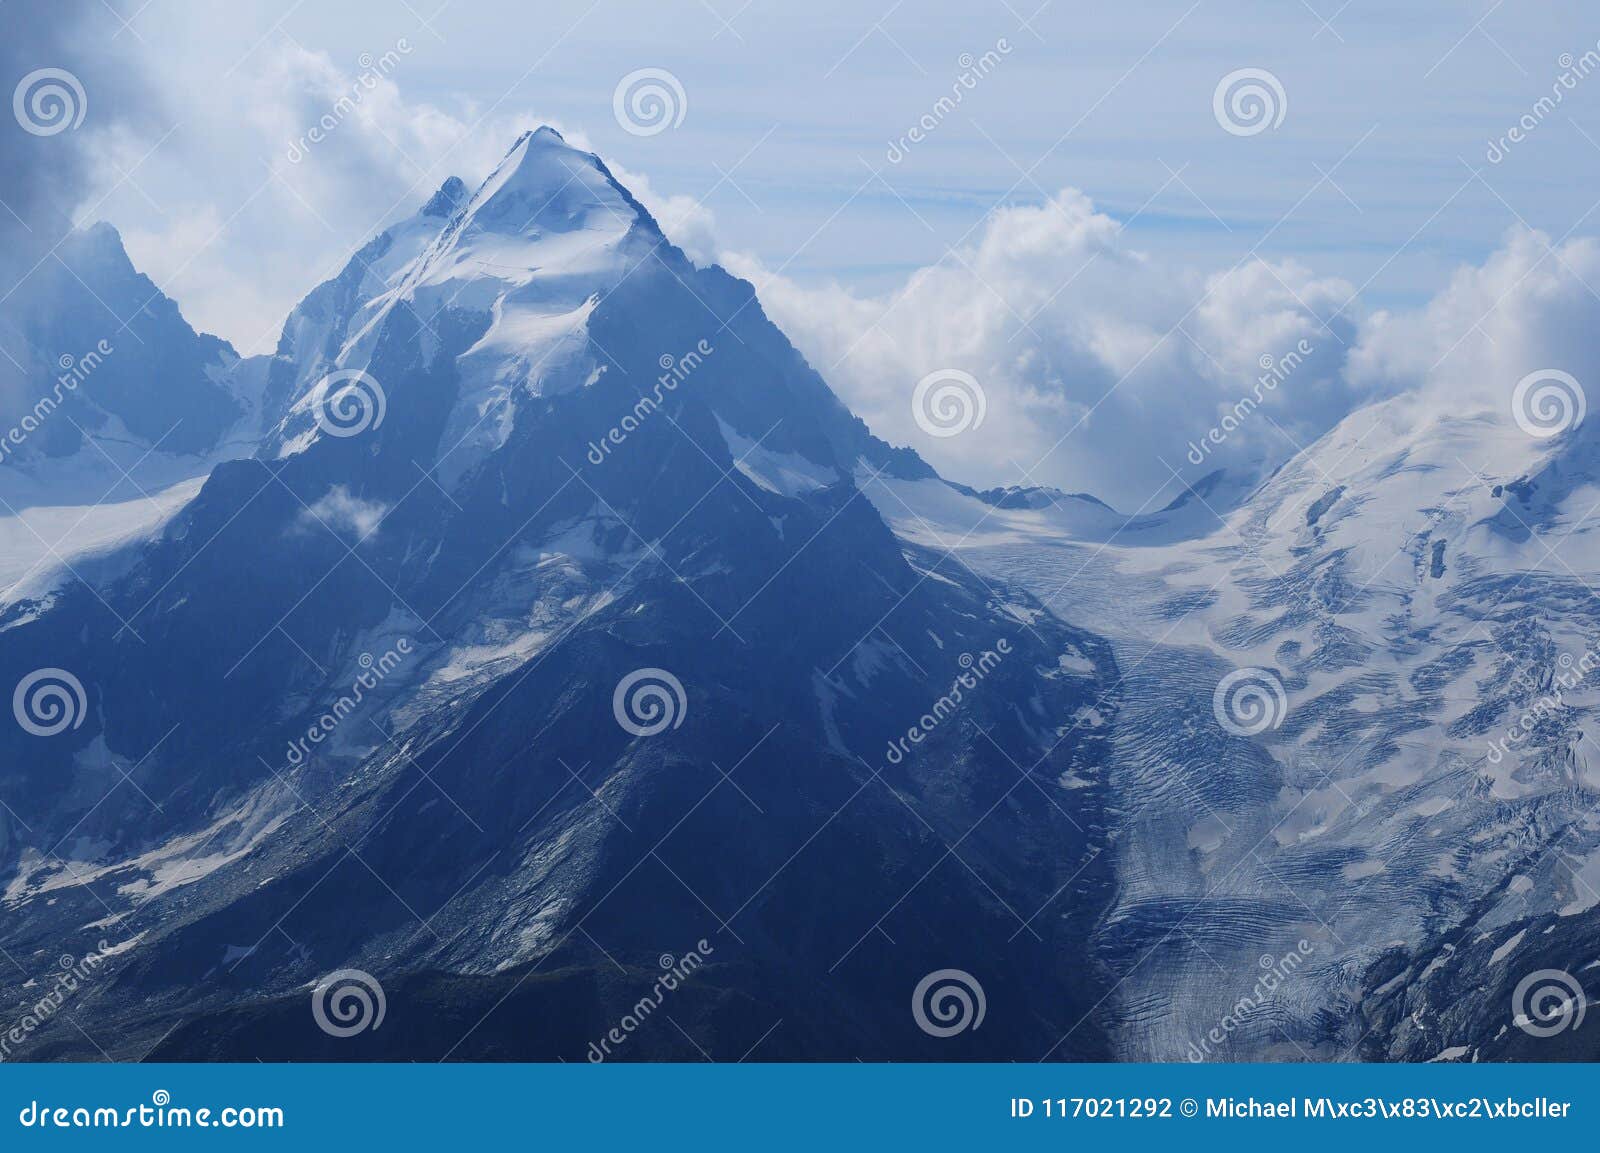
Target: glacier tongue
x: 1399, y: 581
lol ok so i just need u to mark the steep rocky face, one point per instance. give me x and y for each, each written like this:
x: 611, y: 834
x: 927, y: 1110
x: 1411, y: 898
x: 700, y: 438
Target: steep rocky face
x: 112, y: 411
x: 389, y: 694
x: 114, y: 355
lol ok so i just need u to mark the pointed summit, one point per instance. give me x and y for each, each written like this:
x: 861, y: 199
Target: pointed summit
x: 544, y: 185
x: 449, y: 197
x: 433, y: 490
x: 549, y: 213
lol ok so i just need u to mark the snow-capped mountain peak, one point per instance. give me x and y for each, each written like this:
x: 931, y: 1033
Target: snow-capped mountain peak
x: 519, y: 264
x: 546, y: 208
x: 584, y: 459
x: 444, y: 202
x: 544, y: 183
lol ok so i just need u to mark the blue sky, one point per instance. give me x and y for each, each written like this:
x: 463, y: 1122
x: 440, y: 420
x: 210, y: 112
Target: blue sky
x: 1112, y: 100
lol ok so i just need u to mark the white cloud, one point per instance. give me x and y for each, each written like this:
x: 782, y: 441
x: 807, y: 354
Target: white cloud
x: 1102, y: 365
x: 687, y: 222
x: 1528, y: 307
x: 341, y: 510
x: 1099, y: 364
x: 241, y: 184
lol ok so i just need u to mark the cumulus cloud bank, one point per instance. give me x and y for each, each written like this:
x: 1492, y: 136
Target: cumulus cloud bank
x: 1530, y: 306
x: 1103, y: 370
x: 1107, y: 371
